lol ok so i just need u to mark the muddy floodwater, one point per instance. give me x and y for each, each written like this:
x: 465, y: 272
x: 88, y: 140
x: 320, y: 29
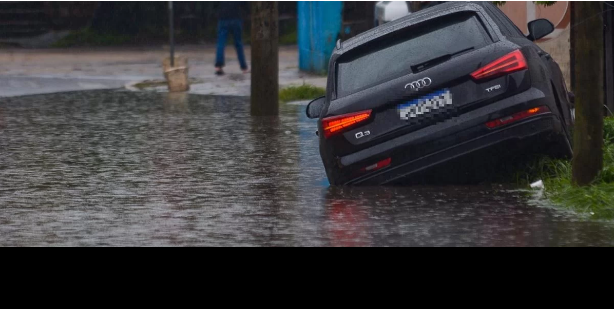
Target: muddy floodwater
x: 116, y: 168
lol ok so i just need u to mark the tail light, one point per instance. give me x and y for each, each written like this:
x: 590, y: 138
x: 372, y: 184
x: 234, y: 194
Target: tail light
x: 507, y: 64
x: 377, y: 166
x: 517, y: 117
x: 339, y: 124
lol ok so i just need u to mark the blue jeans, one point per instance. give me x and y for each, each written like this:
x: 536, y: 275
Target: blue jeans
x: 235, y: 27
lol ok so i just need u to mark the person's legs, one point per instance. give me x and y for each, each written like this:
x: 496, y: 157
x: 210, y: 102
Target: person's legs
x: 237, y: 33
x: 222, y: 35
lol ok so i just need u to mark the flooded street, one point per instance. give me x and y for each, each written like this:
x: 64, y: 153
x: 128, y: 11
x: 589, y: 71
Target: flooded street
x: 116, y: 168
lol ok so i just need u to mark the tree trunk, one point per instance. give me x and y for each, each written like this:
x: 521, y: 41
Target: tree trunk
x: 265, y: 59
x: 589, y: 67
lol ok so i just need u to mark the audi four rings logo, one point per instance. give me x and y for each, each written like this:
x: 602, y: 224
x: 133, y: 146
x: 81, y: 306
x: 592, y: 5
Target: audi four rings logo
x: 419, y: 84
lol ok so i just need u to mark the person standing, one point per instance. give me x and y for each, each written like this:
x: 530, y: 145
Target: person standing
x: 230, y: 22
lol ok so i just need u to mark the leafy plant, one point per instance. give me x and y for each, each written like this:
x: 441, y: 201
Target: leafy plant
x: 596, y: 200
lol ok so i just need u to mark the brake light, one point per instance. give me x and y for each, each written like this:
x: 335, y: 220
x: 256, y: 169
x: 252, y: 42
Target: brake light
x: 507, y: 64
x: 377, y: 166
x: 339, y: 124
x: 517, y: 117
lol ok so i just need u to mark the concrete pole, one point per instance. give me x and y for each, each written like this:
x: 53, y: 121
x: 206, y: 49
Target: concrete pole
x: 265, y: 59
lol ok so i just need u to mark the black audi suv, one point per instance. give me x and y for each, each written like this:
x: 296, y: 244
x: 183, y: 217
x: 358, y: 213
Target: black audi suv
x: 446, y: 83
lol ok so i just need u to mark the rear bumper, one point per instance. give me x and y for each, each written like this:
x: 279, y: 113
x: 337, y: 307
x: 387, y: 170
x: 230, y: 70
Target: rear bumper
x: 447, y: 141
x: 524, y: 131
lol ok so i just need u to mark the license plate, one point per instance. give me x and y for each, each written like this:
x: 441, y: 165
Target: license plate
x: 439, y: 100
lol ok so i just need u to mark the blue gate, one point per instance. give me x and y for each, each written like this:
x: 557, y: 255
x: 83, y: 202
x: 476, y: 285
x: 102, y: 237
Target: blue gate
x: 319, y: 25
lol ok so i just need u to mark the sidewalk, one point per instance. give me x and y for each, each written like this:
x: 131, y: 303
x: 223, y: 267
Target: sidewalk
x: 24, y: 72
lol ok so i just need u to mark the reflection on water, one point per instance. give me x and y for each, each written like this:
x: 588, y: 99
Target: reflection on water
x: 148, y: 169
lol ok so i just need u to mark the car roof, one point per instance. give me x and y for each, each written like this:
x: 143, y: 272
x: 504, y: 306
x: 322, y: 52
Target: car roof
x: 412, y: 19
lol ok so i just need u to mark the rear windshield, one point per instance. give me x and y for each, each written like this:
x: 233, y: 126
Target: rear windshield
x: 409, y: 51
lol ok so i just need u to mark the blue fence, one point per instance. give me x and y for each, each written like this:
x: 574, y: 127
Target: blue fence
x: 319, y: 25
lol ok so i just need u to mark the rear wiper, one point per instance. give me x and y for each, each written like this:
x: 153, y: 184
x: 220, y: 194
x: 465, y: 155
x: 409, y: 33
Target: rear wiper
x: 435, y: 61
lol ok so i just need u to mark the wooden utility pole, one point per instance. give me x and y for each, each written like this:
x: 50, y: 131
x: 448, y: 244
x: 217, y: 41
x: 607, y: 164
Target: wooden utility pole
x: 265, y: 59
x: 589, y: 92
x: 609, y: 58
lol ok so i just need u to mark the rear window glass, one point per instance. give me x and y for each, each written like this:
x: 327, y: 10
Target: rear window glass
x: 394, y: 56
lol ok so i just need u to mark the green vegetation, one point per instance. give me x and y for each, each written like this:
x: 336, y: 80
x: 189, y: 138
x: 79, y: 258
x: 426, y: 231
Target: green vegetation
x: 150, y: 84
x: 297, y: 93
x: 597, y: 200
x: 288, y: 33
x: 90, y: 38
x: 608, y: 134
x: 290, y: 38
